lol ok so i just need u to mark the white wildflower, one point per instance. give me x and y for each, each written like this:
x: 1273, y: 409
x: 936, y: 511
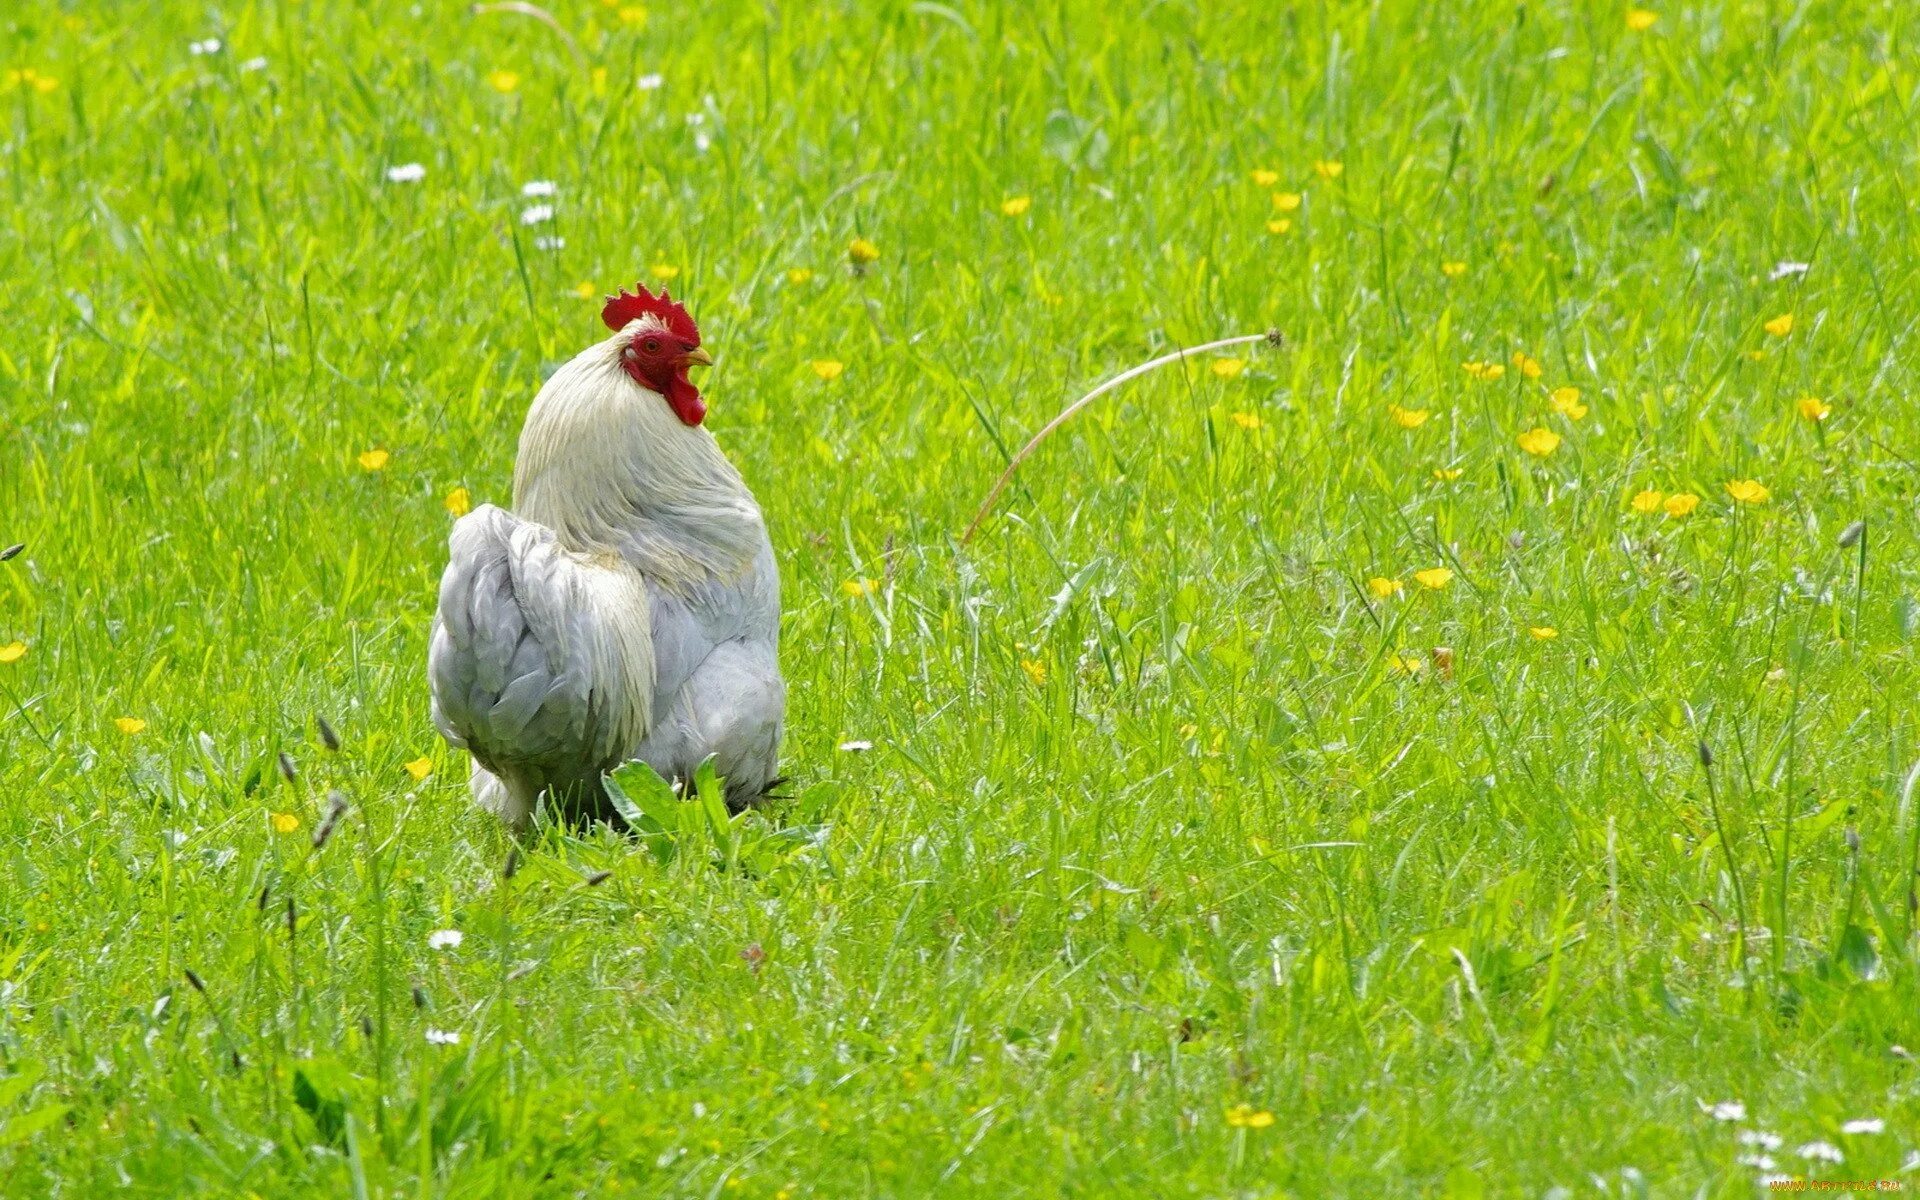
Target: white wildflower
x: 445, y: 939
x: 253, y: 64
x: 443, y: 1037
x: 856, y: 747
x: 1820, y: 1152
x: 1726, y: 1110
x: 1864, y: 1125
x: 536, y: 214
x: 1782, y: 270
x: 538, y: 187
x: 549, y: 243
x: 702, y: 143
x: 650, y: 83
x: 406, y: 173
x: 210, y: 46
x: 1758, y: 1162
x: 1758, y: 1137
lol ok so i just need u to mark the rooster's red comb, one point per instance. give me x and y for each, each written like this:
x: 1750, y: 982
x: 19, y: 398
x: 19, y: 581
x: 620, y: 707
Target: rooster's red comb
x: 628, y: 307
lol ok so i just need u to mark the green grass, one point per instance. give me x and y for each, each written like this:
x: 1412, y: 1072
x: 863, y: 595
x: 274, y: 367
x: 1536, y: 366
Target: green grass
x: 1156, y: 822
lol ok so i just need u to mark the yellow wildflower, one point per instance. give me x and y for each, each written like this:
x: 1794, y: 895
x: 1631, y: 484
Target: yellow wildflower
x: 1748, y: 491
x: 503, y: 81
x: 1408, y: 663
x: 799, y: 275
x: 1382, y: 587
x: 1527, y: 364
x: 1543, y: 633
x: 633, y: 14
x: 1640, y: 20
x: 1566, y: 402
x: 1279, y: 225
x: 1408, y: 418
x: 419, y: 768
x: 584, y: 289
x: 1015, y: 206
x: 1486, y: 371
x: 1035, y: 669
x: 1448, y: 474
x: 1453, y: 269
x: 664, y: 271
x: 1539, y: 442
x: 1813, y: 408
x: 1754, y: 355
x: 1245, y: 420
x: 1434, y: 578
x: 1265, y: 178
x: 1646, y: 501
x: 860, y: 587
x: 1329, y: 168
x: 1681, y: 503
x: 459, y: 502
x: 828, y: 369
x: 1229, y: 368
x: 373, y: 460
x: 283, y: 822
x: 1780, y: 326
x: 13, y: 652
x: 1286, y: 201
x: 129, y: 725
x: 860, y: 250
x: 1245, y: 1116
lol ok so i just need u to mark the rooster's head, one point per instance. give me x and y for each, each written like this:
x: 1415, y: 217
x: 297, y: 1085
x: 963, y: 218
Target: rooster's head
x: 661, y: 342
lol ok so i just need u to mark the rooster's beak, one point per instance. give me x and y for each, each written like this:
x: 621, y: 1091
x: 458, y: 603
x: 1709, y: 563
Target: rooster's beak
x: 698, y: 357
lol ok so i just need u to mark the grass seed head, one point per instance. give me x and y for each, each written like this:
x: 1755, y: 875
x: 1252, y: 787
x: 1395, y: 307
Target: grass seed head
x: 12, y: 551
x: 328, y: 737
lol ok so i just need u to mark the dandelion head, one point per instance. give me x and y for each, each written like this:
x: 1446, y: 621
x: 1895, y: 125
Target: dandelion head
x: 1539, y: 441
x: 862, y: 251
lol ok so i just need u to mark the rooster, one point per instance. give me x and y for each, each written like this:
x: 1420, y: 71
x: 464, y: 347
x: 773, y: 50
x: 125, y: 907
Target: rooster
x: 629, y: 606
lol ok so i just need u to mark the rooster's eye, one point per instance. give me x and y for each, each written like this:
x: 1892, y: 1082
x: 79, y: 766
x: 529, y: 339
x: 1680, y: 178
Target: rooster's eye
x: 653, y: 346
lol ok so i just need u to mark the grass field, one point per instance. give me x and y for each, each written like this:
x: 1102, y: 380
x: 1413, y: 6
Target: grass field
x: 1297, y: 789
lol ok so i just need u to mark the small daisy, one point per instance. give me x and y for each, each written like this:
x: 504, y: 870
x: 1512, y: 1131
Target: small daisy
x: 538, y: 187
x: 650, y: 83
x: 1864, y: 1125
x: 198, y: 49
x: 1758, y: 1137
x: 536, y: 214
x: 860, y: 746
x: 253, y: 64
x: 445, y: 939
x: 549, y: 243
x: 1820, y: 1152
x: 1726, y: 1110
x: 443, y: 1037
x: 406, y: 173
x: 1786, y: 270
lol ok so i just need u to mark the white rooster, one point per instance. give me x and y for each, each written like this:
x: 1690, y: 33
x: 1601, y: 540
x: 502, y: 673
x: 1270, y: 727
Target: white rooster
x: 629, y: 606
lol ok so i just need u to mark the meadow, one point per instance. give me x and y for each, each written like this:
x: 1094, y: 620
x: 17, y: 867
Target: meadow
x: 1464, y: 750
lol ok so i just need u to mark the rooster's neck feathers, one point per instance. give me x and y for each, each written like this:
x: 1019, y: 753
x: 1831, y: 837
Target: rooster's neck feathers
x: 606, y: 465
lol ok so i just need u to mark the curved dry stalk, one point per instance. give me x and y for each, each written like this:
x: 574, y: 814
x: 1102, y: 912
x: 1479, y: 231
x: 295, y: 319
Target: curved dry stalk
x: 1271, y: 337
x: 539, y: 14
